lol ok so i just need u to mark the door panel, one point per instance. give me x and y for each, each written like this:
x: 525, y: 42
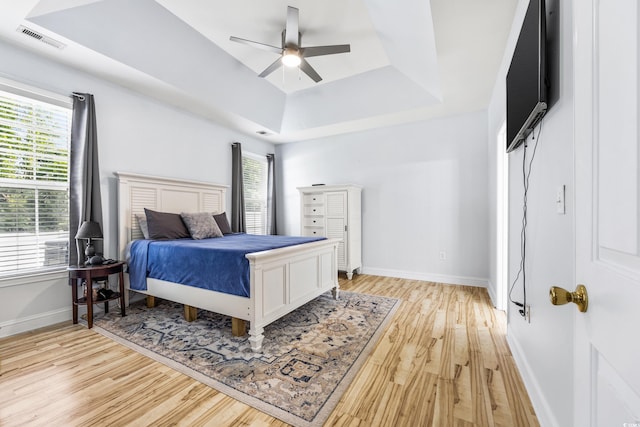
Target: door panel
x: 617, y: 403
x: 616, y: 117
x: 606, y: 99
x: 335, y: 229
x: 336, y: 205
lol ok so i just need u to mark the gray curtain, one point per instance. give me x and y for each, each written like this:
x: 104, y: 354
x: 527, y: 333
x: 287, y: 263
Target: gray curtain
x: 85, y: 203
x: 271, y: 194
x: 237, y: 190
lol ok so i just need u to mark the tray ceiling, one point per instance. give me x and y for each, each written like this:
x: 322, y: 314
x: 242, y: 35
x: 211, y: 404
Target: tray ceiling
x: 409, y: 61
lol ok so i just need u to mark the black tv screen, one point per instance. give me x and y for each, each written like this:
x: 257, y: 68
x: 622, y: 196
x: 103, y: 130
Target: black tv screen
x: 526, y: 78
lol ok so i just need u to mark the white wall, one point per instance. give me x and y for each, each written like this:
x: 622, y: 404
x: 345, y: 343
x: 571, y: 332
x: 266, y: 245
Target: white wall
x: 543, y: 349
x: 135, y: 134
x: 424, y: 192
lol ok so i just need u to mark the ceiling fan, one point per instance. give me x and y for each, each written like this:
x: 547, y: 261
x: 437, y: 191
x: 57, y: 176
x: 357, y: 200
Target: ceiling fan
x: 292, y: 54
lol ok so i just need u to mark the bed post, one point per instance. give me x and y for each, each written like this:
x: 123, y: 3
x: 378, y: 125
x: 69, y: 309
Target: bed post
x: 190, y: 313
x: 238, y: 327
x: 256, y: 337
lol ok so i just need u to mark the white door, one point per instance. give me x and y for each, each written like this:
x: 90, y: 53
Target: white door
x: 607, y: 107
x: 336, y: 205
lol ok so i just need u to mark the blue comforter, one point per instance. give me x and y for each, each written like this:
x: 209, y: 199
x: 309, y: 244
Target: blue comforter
x: 217, y: 264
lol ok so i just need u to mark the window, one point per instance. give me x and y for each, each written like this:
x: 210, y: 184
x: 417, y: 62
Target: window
x: 34, y: 185
x: 254, y: 176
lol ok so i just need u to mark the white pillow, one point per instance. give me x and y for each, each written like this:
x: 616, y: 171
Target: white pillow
x: 201, y: 225
x: 142, y: 223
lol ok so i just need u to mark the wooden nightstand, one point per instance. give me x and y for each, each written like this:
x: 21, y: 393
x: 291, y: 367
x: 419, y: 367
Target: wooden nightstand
x: 88, y: 274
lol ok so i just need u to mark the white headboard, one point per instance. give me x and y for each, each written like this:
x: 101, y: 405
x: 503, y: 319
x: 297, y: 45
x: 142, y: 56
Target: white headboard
x: 136, y: 192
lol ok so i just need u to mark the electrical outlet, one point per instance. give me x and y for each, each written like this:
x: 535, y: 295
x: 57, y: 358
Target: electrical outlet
x: 443, y: 255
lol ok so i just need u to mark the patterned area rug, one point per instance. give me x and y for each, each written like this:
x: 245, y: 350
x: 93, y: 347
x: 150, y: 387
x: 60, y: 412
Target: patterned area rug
x: 307, y: 361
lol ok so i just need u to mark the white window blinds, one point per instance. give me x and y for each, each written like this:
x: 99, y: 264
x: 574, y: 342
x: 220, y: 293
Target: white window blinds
x: 34, y: 189
x: 254, y: 175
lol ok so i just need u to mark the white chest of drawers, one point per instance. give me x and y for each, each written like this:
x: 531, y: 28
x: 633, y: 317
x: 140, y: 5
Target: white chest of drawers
x: 334, y: 211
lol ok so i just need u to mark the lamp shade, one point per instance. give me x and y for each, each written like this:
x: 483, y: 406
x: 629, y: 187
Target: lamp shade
x: 89, y: 230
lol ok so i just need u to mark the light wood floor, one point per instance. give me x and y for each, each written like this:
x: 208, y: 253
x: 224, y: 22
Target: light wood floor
x: 443, y: 361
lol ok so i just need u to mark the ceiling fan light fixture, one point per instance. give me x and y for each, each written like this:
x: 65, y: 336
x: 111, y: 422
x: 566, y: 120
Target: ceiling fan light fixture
x: 291, y: 57
x: 292, y: 54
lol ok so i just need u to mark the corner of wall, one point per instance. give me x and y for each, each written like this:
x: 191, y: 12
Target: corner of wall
x: 491, y: 290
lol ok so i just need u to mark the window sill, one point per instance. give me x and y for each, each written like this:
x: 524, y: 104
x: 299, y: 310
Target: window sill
x: 28, y: 278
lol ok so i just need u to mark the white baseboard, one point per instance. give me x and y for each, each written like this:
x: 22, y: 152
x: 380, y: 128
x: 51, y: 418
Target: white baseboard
x: 428, y: 277
x: 538, y: 400
x: 40, y: 320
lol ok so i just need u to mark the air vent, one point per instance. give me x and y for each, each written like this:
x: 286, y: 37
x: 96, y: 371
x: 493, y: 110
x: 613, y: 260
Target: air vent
x: 44, y: 39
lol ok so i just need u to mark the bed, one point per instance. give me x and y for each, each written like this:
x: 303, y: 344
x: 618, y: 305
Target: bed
x: 280, y: 280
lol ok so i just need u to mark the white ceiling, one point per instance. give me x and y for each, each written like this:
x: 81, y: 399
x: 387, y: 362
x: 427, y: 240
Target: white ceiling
x: 409, y: 61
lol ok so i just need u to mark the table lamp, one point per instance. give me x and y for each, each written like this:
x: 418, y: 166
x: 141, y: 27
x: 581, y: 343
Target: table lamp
x: 87, y: 231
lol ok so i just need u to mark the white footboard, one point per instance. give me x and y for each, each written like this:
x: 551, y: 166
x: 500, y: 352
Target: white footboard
x: 287, y: 278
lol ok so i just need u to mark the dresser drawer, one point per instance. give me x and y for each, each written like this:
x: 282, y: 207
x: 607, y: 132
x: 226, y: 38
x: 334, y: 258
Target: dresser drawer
x: 313, y: 222
x: 314, y: 210
x: 313, y: 199
x: 313, y: 231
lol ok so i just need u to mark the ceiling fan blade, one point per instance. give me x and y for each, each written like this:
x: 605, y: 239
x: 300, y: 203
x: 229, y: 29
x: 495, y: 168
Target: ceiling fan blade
x: 308, y: 52
x: 262, y: 46
x: 271, y: 68
x: 291, y: 30
x: 309, y: 71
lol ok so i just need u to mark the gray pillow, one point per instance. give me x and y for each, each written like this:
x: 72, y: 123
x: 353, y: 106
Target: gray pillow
x: 142, y: 222
x: 201, y: 225
x: 164, y: 225
x: 223, y: 223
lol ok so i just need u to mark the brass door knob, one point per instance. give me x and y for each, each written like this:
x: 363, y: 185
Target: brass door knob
x: 560, y: 296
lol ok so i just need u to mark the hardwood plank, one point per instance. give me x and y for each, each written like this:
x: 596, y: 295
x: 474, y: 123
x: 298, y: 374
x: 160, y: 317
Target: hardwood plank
x: 443, y: 360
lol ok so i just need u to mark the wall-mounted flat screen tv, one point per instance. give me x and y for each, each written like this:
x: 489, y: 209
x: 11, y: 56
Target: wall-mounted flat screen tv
x: 527, y: 77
